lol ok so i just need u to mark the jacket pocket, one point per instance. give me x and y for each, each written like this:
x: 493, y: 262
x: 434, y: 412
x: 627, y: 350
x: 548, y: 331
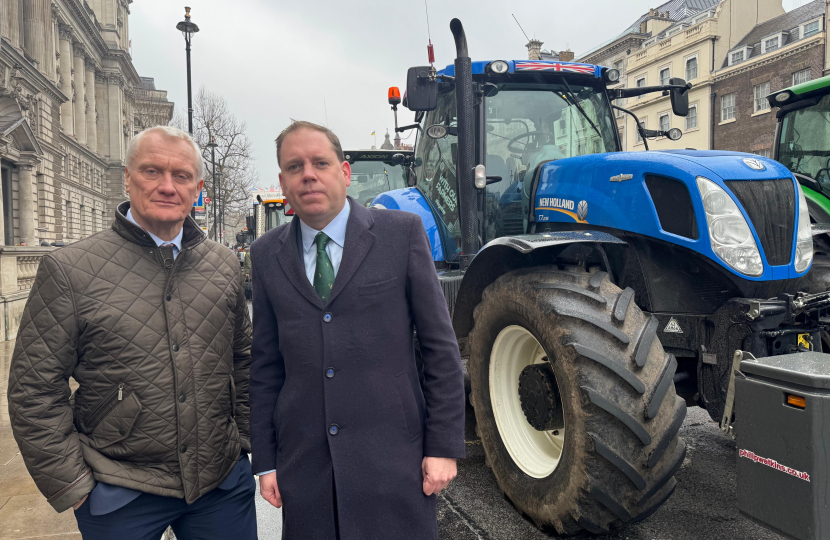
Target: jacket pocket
x: 376, y: 288
x: 118, y: 424
x: 103, y: 407
x: 410, y: 409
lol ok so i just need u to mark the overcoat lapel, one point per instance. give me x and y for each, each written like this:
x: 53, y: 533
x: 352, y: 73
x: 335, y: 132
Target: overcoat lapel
x: 359, y: 240
x: 288, y: 256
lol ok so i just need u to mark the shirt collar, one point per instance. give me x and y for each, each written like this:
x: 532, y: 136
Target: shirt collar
x: 335, y: 230
x: 177, y: 241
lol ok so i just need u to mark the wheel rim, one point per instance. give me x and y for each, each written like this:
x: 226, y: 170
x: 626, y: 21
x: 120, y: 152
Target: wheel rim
x: 537, y: 453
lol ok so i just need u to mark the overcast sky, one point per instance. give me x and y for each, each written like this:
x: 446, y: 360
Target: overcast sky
x: 332, y: 61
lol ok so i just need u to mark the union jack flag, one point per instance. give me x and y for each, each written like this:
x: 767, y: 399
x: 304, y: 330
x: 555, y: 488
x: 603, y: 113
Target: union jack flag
x: 541, y: 65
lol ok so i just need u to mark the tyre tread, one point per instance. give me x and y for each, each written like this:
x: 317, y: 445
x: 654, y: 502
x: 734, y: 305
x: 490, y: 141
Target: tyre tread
x: 670, y: 434
x: 619, y: 462
x: 596, y: 279
x: 611, y: 503
x: 607, y: 327
x: 616, y: 367
x: 598, y: 298
x: 668, y: 475
x: 645, y: 340
x: 617, y: 412
x: 655, y: 399
x: 623, y: 301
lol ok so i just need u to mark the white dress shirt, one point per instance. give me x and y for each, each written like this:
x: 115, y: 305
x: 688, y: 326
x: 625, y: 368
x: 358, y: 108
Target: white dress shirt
x: 336, y: 231
x: 177, y: 242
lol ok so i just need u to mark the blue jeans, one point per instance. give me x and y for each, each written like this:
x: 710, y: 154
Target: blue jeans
x: 217, y: 515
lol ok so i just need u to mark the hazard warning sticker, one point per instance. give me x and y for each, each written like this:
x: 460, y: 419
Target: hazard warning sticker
x: 775, y: 465
x: 673, y: 327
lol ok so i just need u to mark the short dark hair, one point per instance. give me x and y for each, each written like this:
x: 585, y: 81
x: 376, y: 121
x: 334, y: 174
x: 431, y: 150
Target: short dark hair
x: 297, y: 125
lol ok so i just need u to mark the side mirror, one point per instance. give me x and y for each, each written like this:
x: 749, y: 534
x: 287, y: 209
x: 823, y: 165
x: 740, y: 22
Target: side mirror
x: 421, y: 92
x: 679, y: 97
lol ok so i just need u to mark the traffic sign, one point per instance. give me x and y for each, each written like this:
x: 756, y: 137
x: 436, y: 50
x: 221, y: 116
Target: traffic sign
x: 207, y: 200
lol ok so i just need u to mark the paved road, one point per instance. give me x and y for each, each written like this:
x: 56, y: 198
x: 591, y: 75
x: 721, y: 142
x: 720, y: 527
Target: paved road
x: 703, y: 505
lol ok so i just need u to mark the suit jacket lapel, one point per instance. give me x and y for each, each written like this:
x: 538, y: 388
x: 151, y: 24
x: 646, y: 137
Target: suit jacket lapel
x: 359, y: 240
x: 288, y: 256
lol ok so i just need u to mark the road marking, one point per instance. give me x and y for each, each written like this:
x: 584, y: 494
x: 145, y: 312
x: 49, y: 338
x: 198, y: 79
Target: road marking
x: 475, y: 530
x: 9, y: 461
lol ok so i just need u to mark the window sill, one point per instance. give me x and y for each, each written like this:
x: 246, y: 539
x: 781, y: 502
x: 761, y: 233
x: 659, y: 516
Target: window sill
x: 759, y: 113
x: 691, y: 130
x: 727, y: 121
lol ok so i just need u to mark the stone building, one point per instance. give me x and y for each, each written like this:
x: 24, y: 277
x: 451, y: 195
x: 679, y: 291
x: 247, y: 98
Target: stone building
x: 779, y: 53
x: 67, y: 98
x: 680, y: 38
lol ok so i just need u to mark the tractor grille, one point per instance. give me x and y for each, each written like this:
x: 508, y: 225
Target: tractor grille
x: 511, y: 220
x: 770, y: 205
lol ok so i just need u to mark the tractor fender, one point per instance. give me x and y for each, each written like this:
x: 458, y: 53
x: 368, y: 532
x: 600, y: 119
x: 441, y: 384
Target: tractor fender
x: 509, y: 253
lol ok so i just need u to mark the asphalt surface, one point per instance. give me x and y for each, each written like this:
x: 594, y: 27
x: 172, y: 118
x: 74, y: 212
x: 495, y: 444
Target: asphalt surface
x: 704, y: 504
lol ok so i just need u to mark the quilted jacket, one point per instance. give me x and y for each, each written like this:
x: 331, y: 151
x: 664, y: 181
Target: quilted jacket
x: 160, y: 348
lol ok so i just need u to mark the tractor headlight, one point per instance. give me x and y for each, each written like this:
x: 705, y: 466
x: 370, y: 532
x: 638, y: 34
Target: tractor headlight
x: 729, y: 233
x: 804, y: 239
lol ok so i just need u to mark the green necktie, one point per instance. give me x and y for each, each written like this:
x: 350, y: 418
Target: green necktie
x: 324, y: 272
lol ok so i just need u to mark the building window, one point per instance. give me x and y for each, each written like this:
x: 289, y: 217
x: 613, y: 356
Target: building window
x: 727, y: 107
x: 637, y: 136
x: 764, y: 153
x: 691, y: 118
x: 770, y: 44
x: 811, y: 28
x: 691, y: 69
x: 664, y: 76
x: 761, y: 91
x: 802, y: 76
x: 618, y: 65
x: 665, y: 123
x: 736, y: 57
x: 619, y: 103
x: 641, y: 82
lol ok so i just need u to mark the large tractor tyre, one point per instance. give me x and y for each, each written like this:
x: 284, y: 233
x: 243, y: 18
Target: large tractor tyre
x: 818, y: 278
x: 574, y: 400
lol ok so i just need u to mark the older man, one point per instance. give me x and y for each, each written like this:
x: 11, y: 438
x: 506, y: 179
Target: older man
x: 150, y: 319
x: 343, y: 433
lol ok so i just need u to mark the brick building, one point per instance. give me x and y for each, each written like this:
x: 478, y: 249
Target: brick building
x: 783, y: 51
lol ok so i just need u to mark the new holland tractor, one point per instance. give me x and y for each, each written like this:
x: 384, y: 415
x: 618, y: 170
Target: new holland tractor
x: 595, y: 292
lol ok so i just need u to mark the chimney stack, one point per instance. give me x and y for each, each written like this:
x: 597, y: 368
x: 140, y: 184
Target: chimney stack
x: 534, y: 49
x: 566, y: 56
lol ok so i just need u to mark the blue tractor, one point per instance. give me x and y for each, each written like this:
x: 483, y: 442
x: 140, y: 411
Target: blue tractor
x: 596, y: 293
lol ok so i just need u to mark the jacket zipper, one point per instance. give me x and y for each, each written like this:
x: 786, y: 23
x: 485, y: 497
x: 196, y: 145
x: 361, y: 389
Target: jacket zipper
x: 98, y: 411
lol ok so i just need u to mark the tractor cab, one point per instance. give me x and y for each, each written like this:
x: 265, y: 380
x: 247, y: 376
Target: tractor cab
x: 802, y: 140
x: 526, y: 114
x: 377, y: 171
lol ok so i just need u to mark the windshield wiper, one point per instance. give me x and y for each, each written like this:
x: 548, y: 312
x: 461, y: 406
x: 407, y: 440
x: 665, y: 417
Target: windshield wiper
x: 572, y: 97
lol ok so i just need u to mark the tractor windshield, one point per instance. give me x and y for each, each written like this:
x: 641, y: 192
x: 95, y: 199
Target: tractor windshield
x: 528, y: 124
x: 805, y: 142
x: 370, y: 178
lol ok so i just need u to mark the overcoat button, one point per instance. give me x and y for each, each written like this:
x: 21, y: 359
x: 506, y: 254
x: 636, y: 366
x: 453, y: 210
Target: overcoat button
x: 169, y: 297
x: 122, y: 432
x: 327, y: 317
x: 175, y: 348
x: 183, y: 448
x: 334, y: 429
x: 182, y: 398
x: 330, y: 373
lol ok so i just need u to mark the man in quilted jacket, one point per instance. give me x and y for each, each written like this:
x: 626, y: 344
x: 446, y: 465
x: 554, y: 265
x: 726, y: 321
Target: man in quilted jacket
x: 149, y: 317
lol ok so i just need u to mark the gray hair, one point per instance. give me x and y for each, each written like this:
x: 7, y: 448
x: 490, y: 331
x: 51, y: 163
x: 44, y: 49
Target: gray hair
x: 170, y: 131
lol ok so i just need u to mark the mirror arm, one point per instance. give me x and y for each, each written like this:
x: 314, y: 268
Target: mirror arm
x: 406, y: 128
x: 493, y: 179
x: 640, y: 128
x: 642, y: 90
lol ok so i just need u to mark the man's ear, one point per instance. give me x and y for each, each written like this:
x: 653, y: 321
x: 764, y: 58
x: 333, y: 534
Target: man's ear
x: 198, y: 191
x: 347, y: 172
x: 127, y: 180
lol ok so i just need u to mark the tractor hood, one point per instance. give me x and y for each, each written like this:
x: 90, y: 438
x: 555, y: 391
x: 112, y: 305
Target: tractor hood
x: 656, y: 194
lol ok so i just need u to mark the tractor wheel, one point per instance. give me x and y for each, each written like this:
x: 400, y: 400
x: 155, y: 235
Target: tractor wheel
x: 818, y: 278
x: 574, y: 400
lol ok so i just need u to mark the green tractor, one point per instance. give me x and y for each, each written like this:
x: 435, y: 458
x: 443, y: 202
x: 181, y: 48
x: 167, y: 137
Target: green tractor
x: 802, y: 144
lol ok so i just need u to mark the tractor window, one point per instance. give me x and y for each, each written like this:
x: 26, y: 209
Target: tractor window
x: 371, y: 178
x: 530, y: 123
x: 805, y: 142
x: 437, y: 158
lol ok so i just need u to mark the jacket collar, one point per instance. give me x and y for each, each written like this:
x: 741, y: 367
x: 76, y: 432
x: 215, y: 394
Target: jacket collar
x: 359, y: 240
x: 192, y: 235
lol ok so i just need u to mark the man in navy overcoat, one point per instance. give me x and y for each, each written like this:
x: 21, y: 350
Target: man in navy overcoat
x: 343, y: 433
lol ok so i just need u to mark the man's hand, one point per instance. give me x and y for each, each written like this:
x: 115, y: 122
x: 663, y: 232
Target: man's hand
x: 80, y: 503
x: 438, y: 472
x: 269, y: 490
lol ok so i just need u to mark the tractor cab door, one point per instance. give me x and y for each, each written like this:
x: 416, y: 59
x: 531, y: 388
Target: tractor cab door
x: 435, y: 161
x: 804, y: 143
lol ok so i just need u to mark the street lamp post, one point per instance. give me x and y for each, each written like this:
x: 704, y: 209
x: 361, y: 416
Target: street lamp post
x: 188, y: 28
x: 221, y: 209
x: 212, y: 145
